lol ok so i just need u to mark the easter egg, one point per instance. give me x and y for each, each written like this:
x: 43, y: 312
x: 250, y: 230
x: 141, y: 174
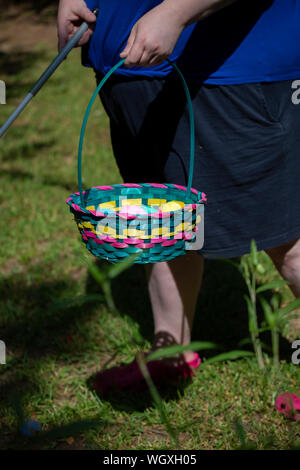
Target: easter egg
x: 133, y: 210
x: 170, y: 206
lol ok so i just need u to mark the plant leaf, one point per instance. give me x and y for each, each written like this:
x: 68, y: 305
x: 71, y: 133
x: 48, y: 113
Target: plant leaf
x: 269, y: 315
x: 118, y: 268
x: 157, y: 400
x: 171, y: 351
x: 253, y: 252
x: 271, y: 285
x: 292, y: 306
x: 229, y: 356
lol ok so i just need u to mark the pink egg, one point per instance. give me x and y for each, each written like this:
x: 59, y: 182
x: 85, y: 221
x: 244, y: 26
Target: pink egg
x: 132, y: 210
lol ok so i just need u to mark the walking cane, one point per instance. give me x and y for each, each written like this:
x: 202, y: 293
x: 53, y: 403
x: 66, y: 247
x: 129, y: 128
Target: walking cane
x: 47, y: 73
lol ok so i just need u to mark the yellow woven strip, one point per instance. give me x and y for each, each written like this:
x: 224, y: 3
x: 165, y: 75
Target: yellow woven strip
x: 105, y: 230
x: 88, y: 225
x: 107, y: 205
x: 156, y: 202
x: 133, y: 232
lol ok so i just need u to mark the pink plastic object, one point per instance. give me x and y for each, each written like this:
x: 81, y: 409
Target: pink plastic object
x: 289, y: 405
x: 129, y: 378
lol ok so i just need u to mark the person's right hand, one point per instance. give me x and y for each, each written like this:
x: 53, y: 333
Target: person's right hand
x: 71, y: 14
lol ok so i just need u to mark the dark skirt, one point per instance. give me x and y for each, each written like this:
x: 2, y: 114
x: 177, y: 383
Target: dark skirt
x: 247, y: 153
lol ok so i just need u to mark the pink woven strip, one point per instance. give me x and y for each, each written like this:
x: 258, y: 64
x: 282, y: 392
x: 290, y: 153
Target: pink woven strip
x: 194, y: 191
x: 179, y: 187
x: 126, y: 216
x: 106, y: 238
x: 98, y: 213
x: 158, y: 185
x: 78, y: 194
x: 157, y: 214
x: 119, y: 245
x: 169, y: 243
x: 131, y: 185
x: 160, y: 215
x: 145, y: 245
x: 99, y: 242
x: 84, y: 236
x: 77, y: 208
x: 132, y: 241
x: 179, y: 236
x: 204, y: 198
x: 159, y: 239
x: 190, y: 207
x: 105, y: 188
x: 90, y: 234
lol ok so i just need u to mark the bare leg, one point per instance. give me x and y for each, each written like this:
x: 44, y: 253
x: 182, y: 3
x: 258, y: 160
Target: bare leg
x: 173, y: 288
x: 286, y: 258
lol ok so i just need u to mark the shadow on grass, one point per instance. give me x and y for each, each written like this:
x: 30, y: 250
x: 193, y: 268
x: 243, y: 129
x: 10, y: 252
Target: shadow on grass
x: 36, y: 323
x: 221, y: 314
x: 13, y: 63
x: 131, y: 401
x: 221, y: 317
x: 16, y: 174
x: 27, y: 150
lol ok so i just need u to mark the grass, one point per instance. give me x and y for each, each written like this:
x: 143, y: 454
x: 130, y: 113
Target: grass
x: 56, y: 339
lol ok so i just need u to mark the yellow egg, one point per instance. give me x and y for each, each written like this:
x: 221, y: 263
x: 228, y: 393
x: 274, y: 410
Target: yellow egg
x: 170, y: 206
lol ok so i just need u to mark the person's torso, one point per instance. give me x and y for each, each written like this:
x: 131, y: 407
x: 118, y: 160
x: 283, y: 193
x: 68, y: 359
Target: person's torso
x: 248, y: 41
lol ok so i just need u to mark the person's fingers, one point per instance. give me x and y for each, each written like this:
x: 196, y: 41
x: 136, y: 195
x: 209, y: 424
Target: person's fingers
x: 84, y: 13
x: 64, y: 33
x: 135, y: 54
x: 85, y: 38
x: 156, y: 61
x: 69, y: 22
x: 147, y: 58
x: 129, y: 44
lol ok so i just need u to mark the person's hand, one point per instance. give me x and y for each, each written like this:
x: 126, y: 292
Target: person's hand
x: 152, y: 38
x: 71, y: 14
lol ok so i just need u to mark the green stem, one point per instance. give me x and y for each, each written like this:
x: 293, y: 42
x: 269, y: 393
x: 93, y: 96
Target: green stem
x: 157, y: 400
x: 275, y: 346
x: 106, y: 287
x: 255, y: 334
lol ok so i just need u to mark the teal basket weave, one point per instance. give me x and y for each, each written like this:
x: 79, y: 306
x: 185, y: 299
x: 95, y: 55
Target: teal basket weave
x: 154, y: 221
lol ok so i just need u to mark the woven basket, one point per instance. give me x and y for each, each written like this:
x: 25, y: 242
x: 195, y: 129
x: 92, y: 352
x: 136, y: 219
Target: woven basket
x: 155, y: 220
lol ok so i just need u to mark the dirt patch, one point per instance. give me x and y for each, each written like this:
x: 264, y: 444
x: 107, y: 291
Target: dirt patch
x: 23, y: 28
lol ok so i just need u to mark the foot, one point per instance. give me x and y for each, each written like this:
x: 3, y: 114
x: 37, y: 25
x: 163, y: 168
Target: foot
x: 163, y: 339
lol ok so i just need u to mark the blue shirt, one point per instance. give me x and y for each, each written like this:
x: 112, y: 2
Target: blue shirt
x: 248, y: 41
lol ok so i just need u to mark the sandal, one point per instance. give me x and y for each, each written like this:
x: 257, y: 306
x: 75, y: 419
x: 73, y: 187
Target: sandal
x: 130, y: 378
x: 289, y: 405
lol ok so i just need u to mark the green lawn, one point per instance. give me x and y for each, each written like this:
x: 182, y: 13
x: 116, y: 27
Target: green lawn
x: 56, y: 340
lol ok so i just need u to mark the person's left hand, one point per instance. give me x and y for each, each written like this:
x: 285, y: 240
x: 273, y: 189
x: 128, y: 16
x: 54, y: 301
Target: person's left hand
x: 152, y: 38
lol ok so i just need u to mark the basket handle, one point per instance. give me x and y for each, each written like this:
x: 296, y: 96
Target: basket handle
x: 88, y: 110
